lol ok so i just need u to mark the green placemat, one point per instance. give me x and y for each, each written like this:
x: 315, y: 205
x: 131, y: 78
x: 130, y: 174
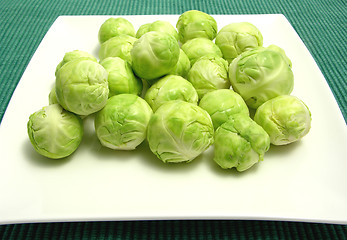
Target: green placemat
x: 320, y: 24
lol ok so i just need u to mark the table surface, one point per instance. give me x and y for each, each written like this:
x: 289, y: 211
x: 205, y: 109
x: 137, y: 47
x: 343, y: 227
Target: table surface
x: 320, y: 24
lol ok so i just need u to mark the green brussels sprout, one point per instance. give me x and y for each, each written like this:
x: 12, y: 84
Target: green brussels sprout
x: 236, y: 38
x: 170, y: 87
x: 119, y: 46
x: 52, y: 97
x: 160, y: 26
x: 182, y: 67
x: 240, y: 142
x: 114, y: 27
x: 179, y: 131
x: 121, y: 78
x: 81, y: 86
x: 281, y: 51
x: 73, y: 55
x: 196, y: 24
x: 261, y: 74
x: 122, y: 123
x: 154, y: 55
x: 199, y: 47
x: 54, y: 132
x: 285, y: 118
x: 221, y: 104
x: 209, y: 73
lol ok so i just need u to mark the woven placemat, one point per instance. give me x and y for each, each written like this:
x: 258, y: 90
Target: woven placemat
x: 320, y: 24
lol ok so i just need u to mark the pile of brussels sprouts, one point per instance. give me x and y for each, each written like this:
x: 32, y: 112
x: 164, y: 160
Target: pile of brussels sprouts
x: 180, y: 89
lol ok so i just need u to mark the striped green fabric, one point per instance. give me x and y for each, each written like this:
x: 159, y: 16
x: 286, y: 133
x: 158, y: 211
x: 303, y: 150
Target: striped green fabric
x: 321, y: 24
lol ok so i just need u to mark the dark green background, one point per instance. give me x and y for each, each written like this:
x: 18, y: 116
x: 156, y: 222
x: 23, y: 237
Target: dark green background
x: 322, y: 26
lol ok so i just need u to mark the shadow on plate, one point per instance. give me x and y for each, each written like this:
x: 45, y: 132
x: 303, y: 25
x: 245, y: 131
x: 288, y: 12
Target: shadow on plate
x: 42, y: 161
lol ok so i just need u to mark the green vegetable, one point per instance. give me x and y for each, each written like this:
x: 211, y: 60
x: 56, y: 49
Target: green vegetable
x: 222, y: 104
x: 236, y: 38
x: 285, y: 118
x: 209, y: 73
x: 179, y: 132
x: 119, y: 46
x: 81, y: 86
x: 73, y: 55
x: 121, y: 78
x: 154, y: 55
x: 122, y: 123
x: 52, y: 97
x: 114, y: 27
x: 240, y: 142
x: 261, y: 74
x: 199, y: 47
x: 170, y: 87
x: 196, y: 24
x: 54, y: 132
x: 182, y: 67
x: 160, y: 26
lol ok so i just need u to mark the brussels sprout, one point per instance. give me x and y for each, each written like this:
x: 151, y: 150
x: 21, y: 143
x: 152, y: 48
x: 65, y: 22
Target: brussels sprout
x: 285, y: 118
x: 170, y: 87
x: 121, y: 78
x: 122, y: 123
x: 199, y: 47
x: 160, y: 26
x: 81, y: 86
x: 236, y: 38
x: 154, y: 55
x: 114, y: 27
x: 209, y: 73
x: 281, y: 51
x: 196, y: 24
x: 119, y: 46
x: 179, y: 131
x: 182, y: 67
x: 261, y: 74
x: 73, y: 55
x: 52, y: 97
x: 240, y: 142
x: 54, y: 132
x: 221, y: 104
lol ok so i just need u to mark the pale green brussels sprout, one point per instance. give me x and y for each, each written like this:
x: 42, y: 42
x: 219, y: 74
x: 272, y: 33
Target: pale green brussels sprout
x: 285, y: 118
x: 236, y: 38
x: 261, y: 74
x: 81, y: 86
x: 199, y: 47
x: 209, y: 73
x: 73, y: 55
x: 221, y: 104
x: 119, y: 46
x: 168, y: 88
x: 240, y: 142
x: 196, y: 24
x: 281, y: 51
x: 121, y: 78
x: 52, y: 97
x: 179, y: 131
x: 183, y: 65
x: 160, y: 26
x: 114, y: 27
x: 154, y: 55
x: 122, y: 123
x: 54, y: 132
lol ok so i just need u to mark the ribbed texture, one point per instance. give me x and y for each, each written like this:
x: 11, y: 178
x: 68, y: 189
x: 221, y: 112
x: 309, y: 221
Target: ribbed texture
x: 320, y: 24
x: 172, y: 230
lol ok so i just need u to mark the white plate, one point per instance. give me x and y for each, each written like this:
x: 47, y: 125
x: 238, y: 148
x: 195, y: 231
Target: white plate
x: 305, y: 181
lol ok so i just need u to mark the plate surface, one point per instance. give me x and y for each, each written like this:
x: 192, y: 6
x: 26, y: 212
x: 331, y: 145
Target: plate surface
x: 304, y: 181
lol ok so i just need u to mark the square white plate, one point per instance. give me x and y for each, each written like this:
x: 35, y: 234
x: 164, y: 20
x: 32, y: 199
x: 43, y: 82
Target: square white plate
x: 304, y: 181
